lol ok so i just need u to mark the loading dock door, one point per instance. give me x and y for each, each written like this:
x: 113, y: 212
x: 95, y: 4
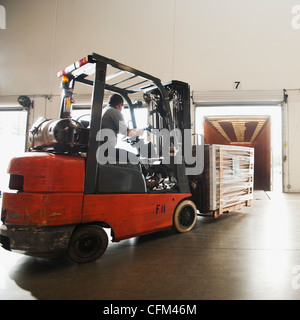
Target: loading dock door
x: 248, y: 131
x: 12, y: 136
x: 252, y: 99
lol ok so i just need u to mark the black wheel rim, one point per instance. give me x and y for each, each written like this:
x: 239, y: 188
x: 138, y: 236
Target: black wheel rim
x: 88, y: 245
x: 186, y: 216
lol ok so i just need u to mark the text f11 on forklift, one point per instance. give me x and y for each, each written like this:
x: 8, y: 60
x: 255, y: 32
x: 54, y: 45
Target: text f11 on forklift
x: 151, y: 309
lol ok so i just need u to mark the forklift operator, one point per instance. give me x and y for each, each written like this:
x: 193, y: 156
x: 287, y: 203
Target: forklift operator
x: 112, y: 118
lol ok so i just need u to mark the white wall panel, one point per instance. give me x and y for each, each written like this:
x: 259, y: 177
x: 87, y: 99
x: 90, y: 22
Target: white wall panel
x: 26, y: 47
x: 220, y: 42
x: 209, y: 44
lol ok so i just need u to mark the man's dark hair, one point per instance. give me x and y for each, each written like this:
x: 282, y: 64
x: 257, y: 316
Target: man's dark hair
x: 115, y: 99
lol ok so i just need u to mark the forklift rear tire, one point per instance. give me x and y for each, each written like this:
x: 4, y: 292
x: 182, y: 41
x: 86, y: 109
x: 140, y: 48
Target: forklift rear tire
x: 87, y: 244
x: 185, y: 216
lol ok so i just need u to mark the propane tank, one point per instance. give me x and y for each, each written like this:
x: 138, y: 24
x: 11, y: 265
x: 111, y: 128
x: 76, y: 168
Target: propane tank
x: 50, y: 132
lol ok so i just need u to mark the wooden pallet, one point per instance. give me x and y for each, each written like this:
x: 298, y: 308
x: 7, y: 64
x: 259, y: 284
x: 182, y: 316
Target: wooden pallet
x: 218, y: 212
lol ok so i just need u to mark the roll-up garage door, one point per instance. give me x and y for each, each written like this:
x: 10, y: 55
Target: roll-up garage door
x: 258, y: 99
x: 238, y: 97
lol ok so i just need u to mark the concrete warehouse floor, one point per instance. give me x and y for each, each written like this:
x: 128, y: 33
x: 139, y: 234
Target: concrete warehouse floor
x: 253, y: 253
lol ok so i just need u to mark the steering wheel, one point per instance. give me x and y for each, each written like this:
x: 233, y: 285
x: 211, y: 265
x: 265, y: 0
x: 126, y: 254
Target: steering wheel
x: 131, y: 140
x: 136, y: 139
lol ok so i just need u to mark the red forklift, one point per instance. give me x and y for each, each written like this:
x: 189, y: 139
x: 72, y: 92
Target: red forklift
x: 61, y: 198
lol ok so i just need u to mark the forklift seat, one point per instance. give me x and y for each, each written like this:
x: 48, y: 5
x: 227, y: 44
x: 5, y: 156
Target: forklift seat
x: 121, y: 178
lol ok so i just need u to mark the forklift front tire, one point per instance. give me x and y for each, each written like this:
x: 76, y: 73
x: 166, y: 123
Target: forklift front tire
x: 185, y: 216
x: 87, y: 244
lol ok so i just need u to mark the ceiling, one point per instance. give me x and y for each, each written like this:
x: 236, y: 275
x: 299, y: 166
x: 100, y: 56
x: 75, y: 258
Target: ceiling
x: 238, y: 129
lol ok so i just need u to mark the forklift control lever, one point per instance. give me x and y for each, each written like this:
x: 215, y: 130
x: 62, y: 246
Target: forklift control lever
x: 148, y: 128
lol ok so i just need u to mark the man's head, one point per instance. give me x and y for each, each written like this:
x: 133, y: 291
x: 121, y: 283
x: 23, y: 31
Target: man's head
x: 116, y: 101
